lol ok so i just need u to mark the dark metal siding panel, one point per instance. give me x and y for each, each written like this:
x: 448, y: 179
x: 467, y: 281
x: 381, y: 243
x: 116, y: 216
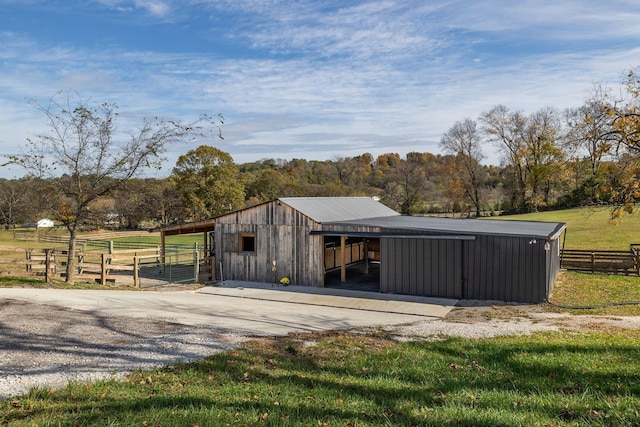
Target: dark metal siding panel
x: 386, y: 266
x: 421, y: 267
x: 406, y: 265
x: 553, y: 264
x: 418, y: 270
x: 504, y: 268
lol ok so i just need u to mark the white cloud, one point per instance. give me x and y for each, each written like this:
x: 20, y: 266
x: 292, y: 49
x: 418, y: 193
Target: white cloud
x: 155, y: 7
x: 317, y: 80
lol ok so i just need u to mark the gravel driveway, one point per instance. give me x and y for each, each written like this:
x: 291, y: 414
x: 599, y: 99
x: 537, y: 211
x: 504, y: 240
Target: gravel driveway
x: 49, y: 345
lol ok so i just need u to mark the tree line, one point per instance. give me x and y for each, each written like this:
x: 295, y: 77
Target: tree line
x: 549, y: 159
x: 85, y: 171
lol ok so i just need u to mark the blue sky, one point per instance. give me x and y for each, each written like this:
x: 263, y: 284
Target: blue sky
x: 313, y: 79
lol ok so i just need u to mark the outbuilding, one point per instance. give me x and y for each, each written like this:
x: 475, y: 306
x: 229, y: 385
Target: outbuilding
x: 305, y: 239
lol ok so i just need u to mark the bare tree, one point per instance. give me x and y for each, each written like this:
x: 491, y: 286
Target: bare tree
x: 90, y: 158
x: 14, y: 202
x: 463, y: 140
x: 589, y: 128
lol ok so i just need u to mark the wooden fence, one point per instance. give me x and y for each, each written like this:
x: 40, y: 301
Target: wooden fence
x: 131, y: 266
x: 35, y: 236
x: 598, y: 261
x: 355, y: 252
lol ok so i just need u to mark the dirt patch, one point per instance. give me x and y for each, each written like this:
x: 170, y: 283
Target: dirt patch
x: 485, y: 319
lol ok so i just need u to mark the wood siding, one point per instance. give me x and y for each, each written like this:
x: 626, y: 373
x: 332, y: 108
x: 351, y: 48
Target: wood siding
x: 281, y: 234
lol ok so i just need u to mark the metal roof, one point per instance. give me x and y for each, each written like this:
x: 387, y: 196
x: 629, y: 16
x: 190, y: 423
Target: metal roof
x: 325, y: 209
x: 533, y: 229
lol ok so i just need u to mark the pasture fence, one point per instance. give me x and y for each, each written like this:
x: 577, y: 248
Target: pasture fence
x: 139, y: 267
x: 603, y: 261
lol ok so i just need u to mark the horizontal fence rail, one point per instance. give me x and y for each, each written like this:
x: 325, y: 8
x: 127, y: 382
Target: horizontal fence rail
x: 141, y: 267
x: 601, y: 261
x: 35, y: 236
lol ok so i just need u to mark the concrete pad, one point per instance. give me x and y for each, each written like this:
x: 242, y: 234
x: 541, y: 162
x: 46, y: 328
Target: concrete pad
x: 342, y: 298
x: 225, y: 314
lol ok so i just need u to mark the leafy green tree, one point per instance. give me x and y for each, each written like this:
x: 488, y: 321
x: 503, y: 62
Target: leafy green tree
x: 208, y: 181
x: 264, y: 185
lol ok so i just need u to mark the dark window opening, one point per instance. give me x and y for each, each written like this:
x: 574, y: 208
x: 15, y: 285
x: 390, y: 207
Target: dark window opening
x: 247, y: 243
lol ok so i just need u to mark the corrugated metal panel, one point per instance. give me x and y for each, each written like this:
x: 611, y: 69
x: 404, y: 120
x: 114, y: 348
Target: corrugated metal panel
x: 421, y: 267
x: 325, y: 209
x: 505, y: 268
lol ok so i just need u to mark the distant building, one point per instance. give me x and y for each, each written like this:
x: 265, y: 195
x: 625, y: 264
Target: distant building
x: 45, y: 223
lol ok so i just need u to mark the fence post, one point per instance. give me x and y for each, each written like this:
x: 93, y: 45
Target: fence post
x: 47, y: 260
x: 136, y: 274
x: 196, y: 264
x: 103, y: 269
x: 111, y: 251
x: 593, y: 262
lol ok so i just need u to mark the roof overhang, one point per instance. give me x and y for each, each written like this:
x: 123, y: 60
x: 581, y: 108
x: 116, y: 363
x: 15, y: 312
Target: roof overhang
x: 188, y: 228
x: 391, y: 235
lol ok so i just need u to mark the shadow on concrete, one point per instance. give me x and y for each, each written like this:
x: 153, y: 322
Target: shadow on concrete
x: 357, y: 279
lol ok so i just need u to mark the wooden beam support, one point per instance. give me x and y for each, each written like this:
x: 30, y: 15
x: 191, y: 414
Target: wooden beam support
x: 343, y: 258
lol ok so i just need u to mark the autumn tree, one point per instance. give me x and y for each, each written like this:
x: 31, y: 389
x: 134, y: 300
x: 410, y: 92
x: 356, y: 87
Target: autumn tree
x: 15, y: 202
x: 590, y: 139
x: 463, y: 140
x: 87, y: 157
x: 405, y: 184
x: 530, y: 148
x: 625, y: 127
x: 625, y: 114
x: 208, y: 181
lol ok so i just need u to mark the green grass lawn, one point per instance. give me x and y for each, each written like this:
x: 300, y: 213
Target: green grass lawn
x: 590, y: 228
x: 342, y: 379
x: 601, y: 292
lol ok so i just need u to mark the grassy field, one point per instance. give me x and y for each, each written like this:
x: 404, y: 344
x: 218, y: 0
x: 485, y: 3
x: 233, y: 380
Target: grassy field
x: 599, y: 294
x: 590, y: 228
x: 341, y: 379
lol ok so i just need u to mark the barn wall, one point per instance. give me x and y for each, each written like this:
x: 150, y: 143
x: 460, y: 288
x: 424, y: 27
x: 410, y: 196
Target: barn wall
x: 553, y: 265
x: 421, y: 267
x: 490, y: 267
x: 281, y: 234
x: 501, y: 268
x: 505, y: 268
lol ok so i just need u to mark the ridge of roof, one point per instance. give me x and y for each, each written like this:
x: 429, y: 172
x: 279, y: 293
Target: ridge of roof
x: 326, y: 209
